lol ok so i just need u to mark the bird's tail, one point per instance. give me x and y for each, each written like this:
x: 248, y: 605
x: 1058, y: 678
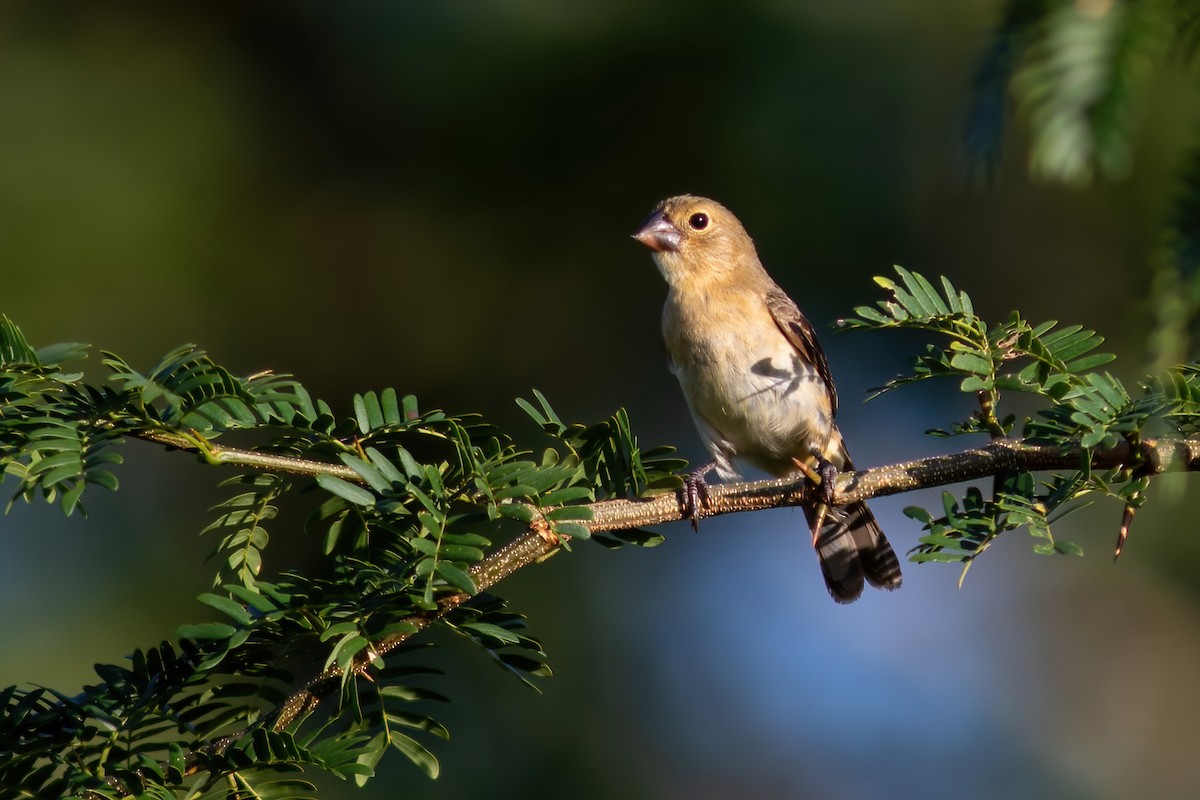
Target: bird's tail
x: 852, y: 549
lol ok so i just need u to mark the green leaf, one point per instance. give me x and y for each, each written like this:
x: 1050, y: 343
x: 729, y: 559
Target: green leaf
x: 411, y: 467
x: 459, y: 552
x: 918, y: 513
x: 369, y: 757
x: 630, y: 536
x: 226, y: 606
x: 470, y: 539
x: 345, y: 651
x: 533, y: 413
x: 1068, y: 548
x: 567, y: 494
x: 568, y: 512
x: 416, y: 753
x: 390, y: 407
x: 572, y: 529
x: 368, y: 472
x: 971, y: 361
x: 345, y: 490
x: 923, y: 292
x: 338, y: 629
x: 14, y: 349
x: 386, y: 468
x: 252, y: 597
x: 424, y: 546
x: 502, y: 635
x: 513, y: 492
x: 517, y: 511
x: 208, y: 630
x: 408, y: 407
x: 367, y: 412
x: 955, y: 302
x: 456, y: 577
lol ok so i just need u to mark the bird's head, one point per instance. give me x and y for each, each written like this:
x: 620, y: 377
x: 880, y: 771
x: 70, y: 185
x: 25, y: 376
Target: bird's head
x: 694, y: 237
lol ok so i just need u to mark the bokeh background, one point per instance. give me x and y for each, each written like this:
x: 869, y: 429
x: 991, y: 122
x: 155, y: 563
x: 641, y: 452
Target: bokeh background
x: 438, y: 196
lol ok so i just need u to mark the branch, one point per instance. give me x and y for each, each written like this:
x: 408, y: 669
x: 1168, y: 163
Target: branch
x: 217, y: 455
x: 1152, y: 457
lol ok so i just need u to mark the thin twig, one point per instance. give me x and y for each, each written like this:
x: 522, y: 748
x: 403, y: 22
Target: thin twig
x: 220, y: 455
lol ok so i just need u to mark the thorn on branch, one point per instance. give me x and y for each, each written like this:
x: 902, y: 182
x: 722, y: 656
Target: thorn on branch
x: 1123, y: 533
x: 813, y: 476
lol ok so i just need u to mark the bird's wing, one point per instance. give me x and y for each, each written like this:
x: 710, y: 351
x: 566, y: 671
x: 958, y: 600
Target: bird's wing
x: 800, y: 334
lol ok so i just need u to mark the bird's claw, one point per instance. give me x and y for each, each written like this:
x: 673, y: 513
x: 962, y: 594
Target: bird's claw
x: 825, y: 476
x: 693, y: 497
x: 828, y: 473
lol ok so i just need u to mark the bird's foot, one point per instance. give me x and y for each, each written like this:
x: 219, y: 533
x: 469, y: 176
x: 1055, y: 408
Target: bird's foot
x: 828, y: 473
x: 693, y: 497
x: 824, y: 475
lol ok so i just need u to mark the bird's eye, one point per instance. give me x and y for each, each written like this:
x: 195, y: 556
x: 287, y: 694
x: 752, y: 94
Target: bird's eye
x: 698, y: 221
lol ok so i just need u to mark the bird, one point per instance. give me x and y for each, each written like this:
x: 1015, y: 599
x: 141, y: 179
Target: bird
x: 757, y: 382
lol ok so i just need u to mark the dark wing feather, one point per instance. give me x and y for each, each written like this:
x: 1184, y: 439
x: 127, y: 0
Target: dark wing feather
x: 799, y: 332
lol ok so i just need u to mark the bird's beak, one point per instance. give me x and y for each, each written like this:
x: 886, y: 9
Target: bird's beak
x: 659, y: 234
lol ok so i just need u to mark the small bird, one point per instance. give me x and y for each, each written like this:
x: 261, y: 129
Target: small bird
x: 757, y: 381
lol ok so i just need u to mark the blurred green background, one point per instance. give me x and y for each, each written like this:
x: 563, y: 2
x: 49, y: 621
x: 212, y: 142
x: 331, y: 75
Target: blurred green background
x: 438, y: 196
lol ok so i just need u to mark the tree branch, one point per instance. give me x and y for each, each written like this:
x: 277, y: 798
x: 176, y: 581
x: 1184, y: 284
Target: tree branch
x: 217, y: 454
x: 1152, y: 457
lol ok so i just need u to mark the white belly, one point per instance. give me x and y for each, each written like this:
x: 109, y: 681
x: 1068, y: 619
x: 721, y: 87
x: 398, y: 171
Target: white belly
x: 760, y: 405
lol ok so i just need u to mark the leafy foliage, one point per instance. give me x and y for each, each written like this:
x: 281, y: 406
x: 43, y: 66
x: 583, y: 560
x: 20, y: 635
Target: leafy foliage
x: 1079, y: 75
x: 1076, y: 71
x: 1083, y: 409
x: 405, y: 503
x: 1079, y: 83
